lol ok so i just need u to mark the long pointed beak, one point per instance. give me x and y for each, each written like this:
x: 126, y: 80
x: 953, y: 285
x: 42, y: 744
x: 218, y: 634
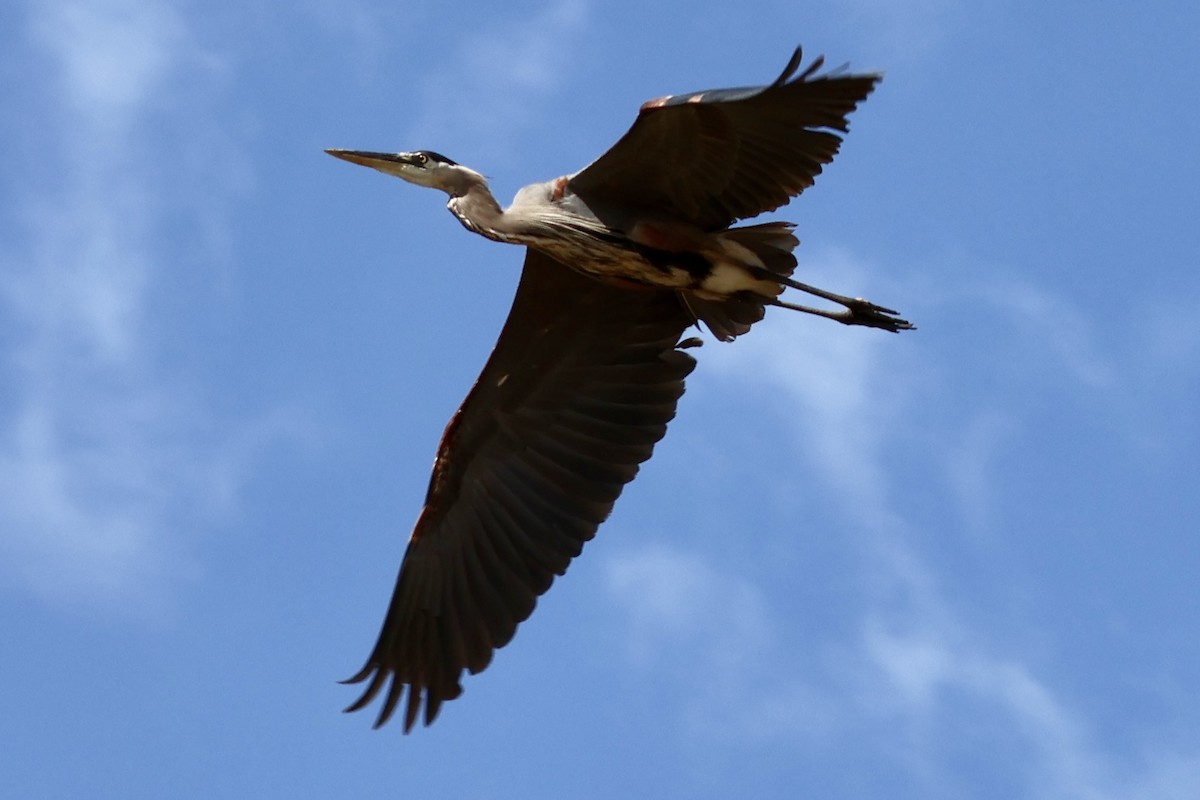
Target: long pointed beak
x: 366, y: 158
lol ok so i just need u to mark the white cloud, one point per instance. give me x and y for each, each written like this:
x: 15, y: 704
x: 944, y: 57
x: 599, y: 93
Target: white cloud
x: 1169, y: 775
x: 911, y: 678
x: 114, y: 55
x: 106, y: 461
x: 940, y: 686
x: 674, y: 596
x: 842, y: 389
x: 1055, y: 325
x: 712, y: 635
x: 367, y: 27
x: 899, y: 31
x: 970, y: 467
x: 496, y: 77
x: 910, y: 684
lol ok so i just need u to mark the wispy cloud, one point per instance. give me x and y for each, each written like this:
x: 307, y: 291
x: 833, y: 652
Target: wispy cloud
x: 713, y: 634
x: 112, y: 55
x: 1054, y: 324
x: 911, y: 678
x: 930, y: 679
x: 933, y: 683
x: 910, y: 685
x: 105, y: 455
x: 496, y: 78
x: 842, y: 390
x: 680, y: 598
x: 901, y: 30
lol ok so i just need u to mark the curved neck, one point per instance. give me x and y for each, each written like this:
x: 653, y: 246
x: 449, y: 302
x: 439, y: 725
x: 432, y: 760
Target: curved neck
x: 479, y: 212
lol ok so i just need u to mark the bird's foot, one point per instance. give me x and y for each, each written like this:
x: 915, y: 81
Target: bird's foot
x: 864, y: 312
x: 857, y: 311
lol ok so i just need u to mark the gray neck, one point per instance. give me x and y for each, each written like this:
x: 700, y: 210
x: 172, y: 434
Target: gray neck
x: 479, y: 212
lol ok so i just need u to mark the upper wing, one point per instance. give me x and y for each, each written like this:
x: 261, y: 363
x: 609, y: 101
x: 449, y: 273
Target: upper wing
x: 713, y: 157
x: 578, y: 390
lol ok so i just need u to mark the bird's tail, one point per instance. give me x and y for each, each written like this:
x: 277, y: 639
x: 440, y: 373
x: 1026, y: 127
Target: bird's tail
x: 770, y: 243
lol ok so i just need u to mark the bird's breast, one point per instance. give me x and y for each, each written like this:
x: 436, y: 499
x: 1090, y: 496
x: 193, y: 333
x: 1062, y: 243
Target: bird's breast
x: 627, y: 261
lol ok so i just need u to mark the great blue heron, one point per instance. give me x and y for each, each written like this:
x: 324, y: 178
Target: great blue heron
x: 622, y: 257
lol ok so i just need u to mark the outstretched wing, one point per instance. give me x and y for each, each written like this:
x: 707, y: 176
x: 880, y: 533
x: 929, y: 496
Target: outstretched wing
x: 713, y: 157
x: 579, y: 388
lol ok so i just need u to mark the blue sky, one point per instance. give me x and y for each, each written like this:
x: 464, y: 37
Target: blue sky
x: 955, y: 563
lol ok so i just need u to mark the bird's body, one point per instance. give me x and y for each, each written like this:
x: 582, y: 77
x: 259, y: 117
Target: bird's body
x: 621, y: 258
x: 642, y: 250
x: 654, y: 253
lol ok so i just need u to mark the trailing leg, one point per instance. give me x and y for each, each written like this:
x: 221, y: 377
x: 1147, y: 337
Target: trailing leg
x: 856, y: 311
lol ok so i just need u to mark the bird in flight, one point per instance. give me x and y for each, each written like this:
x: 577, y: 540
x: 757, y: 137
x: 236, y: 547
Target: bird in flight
x: 621, y: 259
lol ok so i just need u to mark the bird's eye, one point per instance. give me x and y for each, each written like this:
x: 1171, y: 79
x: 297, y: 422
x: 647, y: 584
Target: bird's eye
x: 422, y: 159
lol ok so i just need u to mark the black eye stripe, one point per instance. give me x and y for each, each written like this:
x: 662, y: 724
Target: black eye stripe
x: 429, y: 155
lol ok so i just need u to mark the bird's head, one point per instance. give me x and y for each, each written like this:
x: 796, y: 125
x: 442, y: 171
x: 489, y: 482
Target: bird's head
x: 422, y: 167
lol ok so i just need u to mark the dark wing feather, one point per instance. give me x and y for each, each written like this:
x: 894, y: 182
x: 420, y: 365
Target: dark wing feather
x: 713, y: 157
x: 578, y: 390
